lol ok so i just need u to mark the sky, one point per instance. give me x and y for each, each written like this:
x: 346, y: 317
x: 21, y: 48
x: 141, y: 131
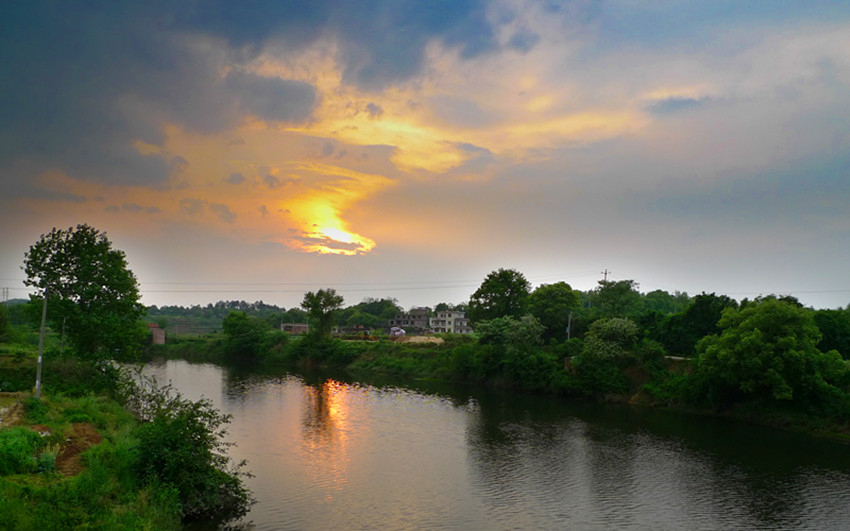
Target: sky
x: 406, y: 149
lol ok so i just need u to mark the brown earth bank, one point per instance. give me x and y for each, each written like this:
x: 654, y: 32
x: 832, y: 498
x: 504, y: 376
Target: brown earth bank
x: 79, y: 437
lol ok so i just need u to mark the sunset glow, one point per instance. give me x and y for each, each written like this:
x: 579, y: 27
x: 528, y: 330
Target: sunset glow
x: 676, y: 143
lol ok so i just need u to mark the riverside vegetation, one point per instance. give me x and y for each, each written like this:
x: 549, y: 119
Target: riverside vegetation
x: 102, y: 448
x: 758, y: 360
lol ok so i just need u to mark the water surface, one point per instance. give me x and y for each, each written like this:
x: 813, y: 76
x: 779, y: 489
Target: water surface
x: 326, y: 453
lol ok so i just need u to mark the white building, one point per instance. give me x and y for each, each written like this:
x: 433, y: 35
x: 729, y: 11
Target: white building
x: 450, y: 321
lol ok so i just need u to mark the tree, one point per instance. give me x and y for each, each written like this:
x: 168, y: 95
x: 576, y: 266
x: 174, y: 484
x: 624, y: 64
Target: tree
x: 767, y: 350
x: 681, y: 332
x: 665, y: 303
x: 617, y: 298
x: 511, y: 332
x: 90, y: 288
x: 835, y: 327
x: 321, y: 307
x: 552, y: 305
x: 244, y: 335
x: 503, y: 293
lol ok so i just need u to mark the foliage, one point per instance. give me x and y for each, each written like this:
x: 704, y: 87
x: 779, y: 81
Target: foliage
x: 90, y: 289
x: 680, y: 332
x: 509, y: 331
x: 17, y: 450
x: 617, y: 298
x: 4, y: 322
x: 321, y: 306
x: 610, y: 338
x: 181, y: 445
x: 607, y: 349
x: 552, y: 305
x: 105, y: 495
x: 244, y: 336
x: 834, y: 325
x: 502, y: 293
x: 767, y: 351
x: 665, y: 303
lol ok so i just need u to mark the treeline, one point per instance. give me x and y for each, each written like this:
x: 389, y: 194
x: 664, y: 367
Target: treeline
x: 769, y: 358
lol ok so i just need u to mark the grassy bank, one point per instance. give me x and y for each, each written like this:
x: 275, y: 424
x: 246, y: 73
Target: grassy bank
x: 99, y: 451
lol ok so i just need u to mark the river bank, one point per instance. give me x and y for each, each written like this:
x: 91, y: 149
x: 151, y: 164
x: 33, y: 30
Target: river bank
x: 667, y: 383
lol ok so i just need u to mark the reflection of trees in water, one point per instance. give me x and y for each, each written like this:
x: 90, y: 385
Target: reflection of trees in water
x: 594, y: 467
x: 317, y: 416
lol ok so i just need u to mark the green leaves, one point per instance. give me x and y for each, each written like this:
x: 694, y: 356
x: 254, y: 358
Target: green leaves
x: 767, y: 350
x: 90, y: 291
x: 503, y: 293
x: 321, y: 306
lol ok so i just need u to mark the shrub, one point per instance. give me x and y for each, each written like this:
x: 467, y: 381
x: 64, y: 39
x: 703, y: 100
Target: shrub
x: 17, y: 450
x: 181, y: 446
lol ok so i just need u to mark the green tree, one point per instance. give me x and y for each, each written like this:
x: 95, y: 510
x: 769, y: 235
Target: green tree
x: 767, y: 350
x: 617, y: 298
x: 89, y: 288
x: 665, y: 303
x: 502, y: 293
x: 552, y: 304
x: 509, y: 331
x: 610, y: 338
x: 834, y: 325
x: 680, y: 332
x: 321, y: 307
x: 244, y: 335
x: 608, y: 348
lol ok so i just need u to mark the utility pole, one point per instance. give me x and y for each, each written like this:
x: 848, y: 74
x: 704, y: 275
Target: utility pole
x: 605, y: 273
x: 41, y: 346
x: 569, y: 325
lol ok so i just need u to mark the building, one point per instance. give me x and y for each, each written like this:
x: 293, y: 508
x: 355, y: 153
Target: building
x: 295, y: 328
x: 414, y: 321
x: 157, y: 334
x: 450, y: 321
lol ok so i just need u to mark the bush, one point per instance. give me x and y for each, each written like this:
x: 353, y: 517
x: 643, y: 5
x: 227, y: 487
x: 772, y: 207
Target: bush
x: 181, y: 447
x: 17, y: 450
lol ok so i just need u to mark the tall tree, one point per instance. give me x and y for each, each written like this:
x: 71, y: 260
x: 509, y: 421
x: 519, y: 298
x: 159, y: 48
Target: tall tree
x: 90, y: 288
x: 835, y: 327
x: 768, y: 350
x: 617, y: 298
x: 321, y: 307
x: 552, y: 304
x: 503, y: 293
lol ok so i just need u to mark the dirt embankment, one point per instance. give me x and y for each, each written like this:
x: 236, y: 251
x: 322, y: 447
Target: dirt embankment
x: 419, y: 339
x: 79, y: 437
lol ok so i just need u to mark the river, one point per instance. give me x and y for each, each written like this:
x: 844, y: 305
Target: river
x: 330, y: 454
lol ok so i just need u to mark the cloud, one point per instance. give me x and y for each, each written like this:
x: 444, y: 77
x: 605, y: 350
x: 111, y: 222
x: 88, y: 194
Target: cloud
x: 192, y: 206
x: 223, y: 212
x: 675, y: 104
x: 374, y: 110
x: 235, y: 178
x: 523, y: 40
x: 133, y: 208
x: 272, y: 98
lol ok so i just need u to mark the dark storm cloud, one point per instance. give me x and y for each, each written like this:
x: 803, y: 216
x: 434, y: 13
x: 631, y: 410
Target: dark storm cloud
x: 813, y: 188
x: 272, y: 98
x: 82, y: 82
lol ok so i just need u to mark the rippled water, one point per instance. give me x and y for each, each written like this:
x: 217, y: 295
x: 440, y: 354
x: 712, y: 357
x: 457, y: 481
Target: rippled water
x: 328, y: 454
